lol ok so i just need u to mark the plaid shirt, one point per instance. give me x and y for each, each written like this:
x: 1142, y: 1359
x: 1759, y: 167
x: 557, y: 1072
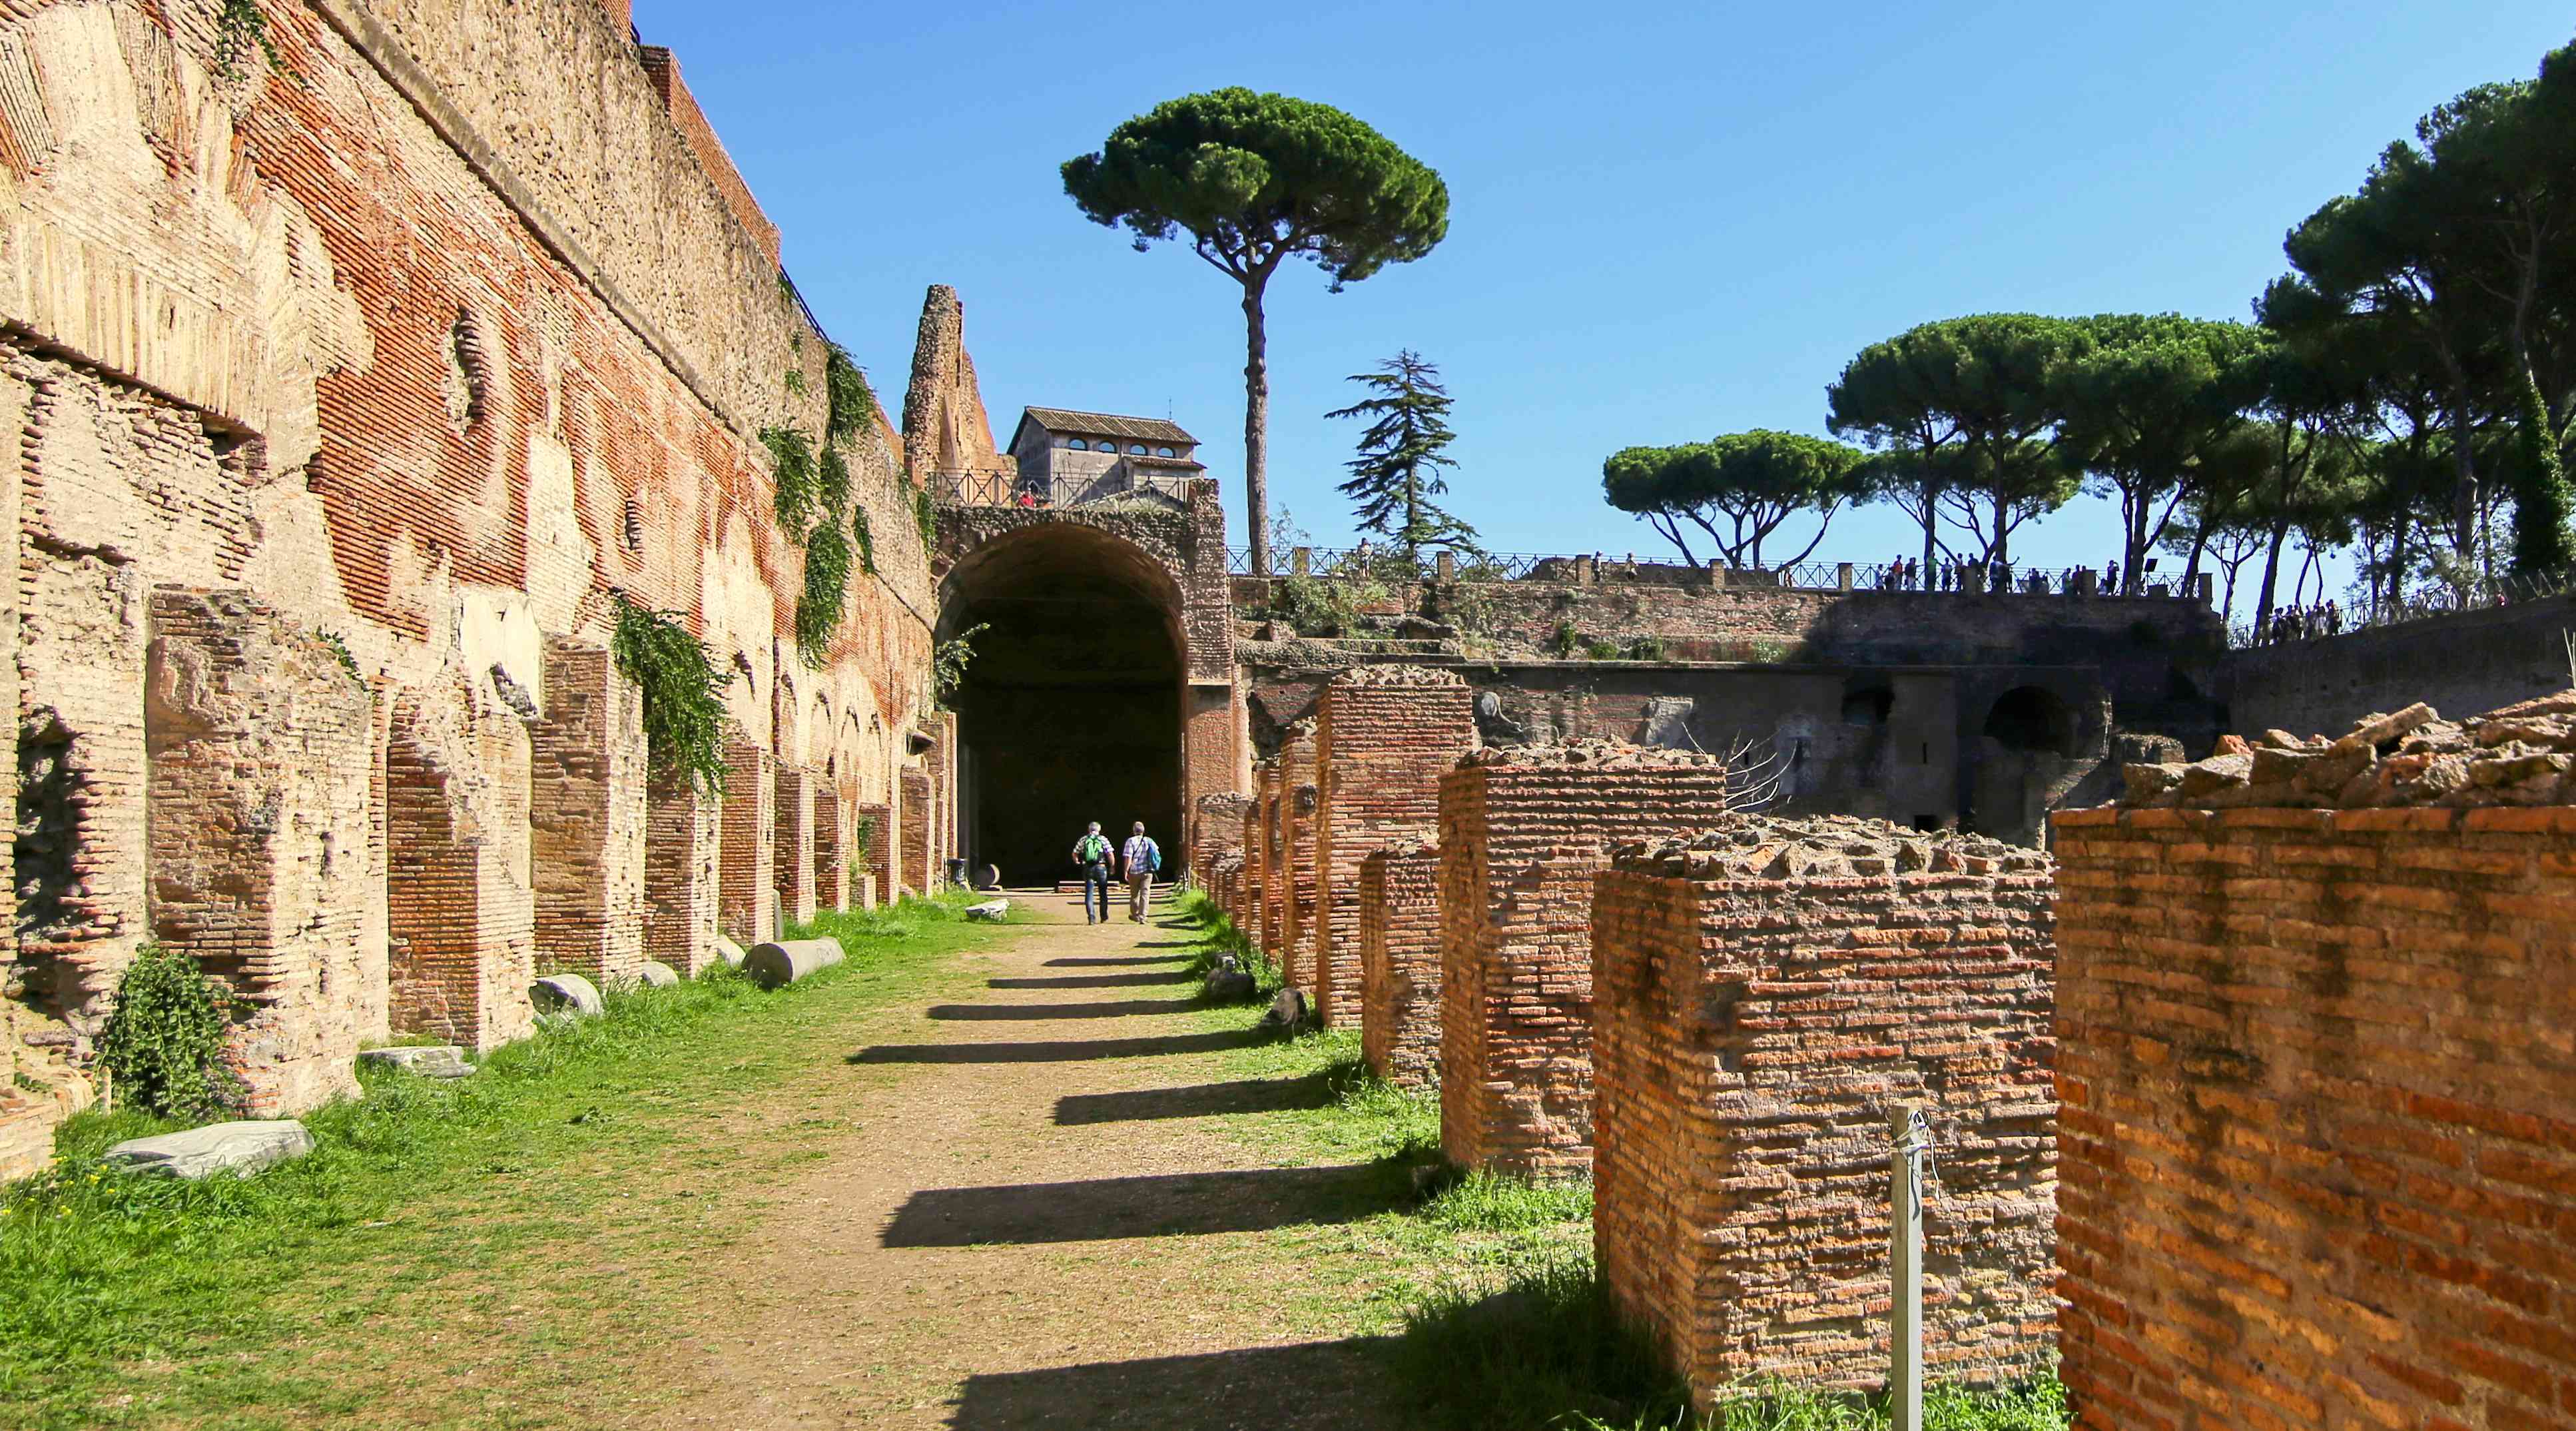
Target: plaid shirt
x: 1140, y: 855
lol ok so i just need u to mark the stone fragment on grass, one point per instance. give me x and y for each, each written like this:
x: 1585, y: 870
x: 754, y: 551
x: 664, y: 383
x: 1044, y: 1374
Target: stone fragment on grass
x: 239, y: 1149
x: 992, y: 911
x: 568, y: 994
x: 657, y: 975
x: 730, y: 952
x: 444, y: 1060
x: 786, y: 961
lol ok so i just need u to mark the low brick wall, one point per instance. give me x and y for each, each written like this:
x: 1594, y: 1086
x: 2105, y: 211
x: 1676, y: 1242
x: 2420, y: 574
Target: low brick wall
x: 1399, y: 919
x: 1522, y: 831
x: 1384, y: 735
x: 872, y: 847
x: 920, y: 865
x: 461, y: 913
x: 2320, y: 1153
x: 1246, y: 909
x: 1761, y: 996
x: 587, y: 816
x: 1216, y: 829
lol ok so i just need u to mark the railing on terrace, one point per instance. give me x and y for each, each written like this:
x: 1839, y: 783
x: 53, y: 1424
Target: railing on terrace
x: 1006, y: 489
x: 1381, y: 564
x: 2432, y: 601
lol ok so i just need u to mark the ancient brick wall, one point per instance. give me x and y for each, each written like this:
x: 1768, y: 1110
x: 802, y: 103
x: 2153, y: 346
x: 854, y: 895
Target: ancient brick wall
x: 1271, y: 894
x: 920, y: 825
x: 683, y: 876
x: 1296, y: 871
x: 258, y: 741
x: 831, y: 849
x: 872, y: 837
x: 662, y: 70
x: 587, y: 816
x: 1761, y: 995
x: 1216, y: 827
x: 792, y: 807
x: 1522, y: 832
x: 747, y: 902
x: 462, y: 911
x: 1399, y: 939
x: 1384, y: 735
x: 947, y: 432
x: 2319, y: 1164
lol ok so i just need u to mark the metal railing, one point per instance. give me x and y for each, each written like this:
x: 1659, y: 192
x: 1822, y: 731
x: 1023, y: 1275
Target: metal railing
x: 2429, y: 602
x: 1391, y: 565
x: 1007, y: 489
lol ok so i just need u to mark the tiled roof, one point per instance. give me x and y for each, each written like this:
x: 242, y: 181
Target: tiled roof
x: 1085, y: 424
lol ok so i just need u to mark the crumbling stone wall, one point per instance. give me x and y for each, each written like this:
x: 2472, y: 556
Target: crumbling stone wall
x: 463, y: 913
x: 947, y: 433
x: 747, y: 907
x: 1216, y: 827
x: 588, y: 816
x: 258, y: 741
x: 1399, y: 939
x: 793, y: 845
x: 1272, y: 892
x: 831, y: 848
x: 1296, y: 835
x: 683, y: 875
x: 920, y: 853
x: 1522, y: 832
x: 1761, y: 995
x: 1384, y: 735
x: 2319, y: 1165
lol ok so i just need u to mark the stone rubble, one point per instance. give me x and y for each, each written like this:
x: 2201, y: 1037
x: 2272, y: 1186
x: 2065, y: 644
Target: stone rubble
x: 240, y: 1149
x: 1825, y: 847
x: 2523, y: 754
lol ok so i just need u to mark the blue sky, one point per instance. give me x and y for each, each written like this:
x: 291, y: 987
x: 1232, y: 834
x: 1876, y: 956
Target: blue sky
x: 1666, y: 221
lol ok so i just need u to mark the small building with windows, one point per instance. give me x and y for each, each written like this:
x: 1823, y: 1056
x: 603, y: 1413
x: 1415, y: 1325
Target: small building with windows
x: 1068, y: 457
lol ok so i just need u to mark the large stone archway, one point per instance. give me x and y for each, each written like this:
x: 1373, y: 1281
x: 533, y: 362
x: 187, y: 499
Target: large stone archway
x: 1102, y: 685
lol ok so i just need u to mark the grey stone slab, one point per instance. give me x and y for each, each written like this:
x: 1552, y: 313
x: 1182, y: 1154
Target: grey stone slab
x: 431, y: 1061
x: 239, y: 1149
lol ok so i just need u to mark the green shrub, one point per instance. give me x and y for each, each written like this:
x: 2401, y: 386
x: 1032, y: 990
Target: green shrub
x: 853, y: 405
x: 797, y: 485
x: 1566, y: 641
x: 827, y: 583
x: 867, y: 540
x: 163, y: 1047
x: 684, y: 710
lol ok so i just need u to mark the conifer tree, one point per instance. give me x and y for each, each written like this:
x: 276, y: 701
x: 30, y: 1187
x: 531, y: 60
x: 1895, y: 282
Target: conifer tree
x: 1402, y: 456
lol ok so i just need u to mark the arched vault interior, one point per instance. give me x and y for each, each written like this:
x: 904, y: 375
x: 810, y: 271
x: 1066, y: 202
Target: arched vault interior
x: 1071, y: 708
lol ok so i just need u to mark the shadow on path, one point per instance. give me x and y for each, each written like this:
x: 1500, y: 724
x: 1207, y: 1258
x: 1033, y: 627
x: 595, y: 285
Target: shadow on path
x: 1086, y: 963
x: 1059, y: 1051
x: 1096, y: 981
x: 1312, y: 1384
x: 1159, y: 1205
x: 1197, y: 1100
x: 1104, y: 1009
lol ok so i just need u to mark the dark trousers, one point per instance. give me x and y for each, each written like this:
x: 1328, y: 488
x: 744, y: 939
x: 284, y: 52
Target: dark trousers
x: 1095, y: 892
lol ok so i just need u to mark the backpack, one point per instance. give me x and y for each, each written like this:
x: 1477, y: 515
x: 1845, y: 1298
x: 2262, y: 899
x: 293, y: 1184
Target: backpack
x: 1093, y: 849
x: 1153, y: 857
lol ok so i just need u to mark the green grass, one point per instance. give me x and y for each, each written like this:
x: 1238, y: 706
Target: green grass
x: 1486, y: 1283
x: 1216, y: 936
x: 281, y: 1300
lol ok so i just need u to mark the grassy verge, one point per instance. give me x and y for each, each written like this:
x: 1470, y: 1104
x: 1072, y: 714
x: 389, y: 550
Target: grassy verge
x: 441, y: 1230
x: 1216, y: 936
x: 1485, y: 1285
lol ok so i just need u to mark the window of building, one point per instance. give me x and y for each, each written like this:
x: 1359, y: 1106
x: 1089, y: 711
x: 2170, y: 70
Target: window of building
x: 1079, y: 445
x: 1164, y: 452
x: 1136, y: 449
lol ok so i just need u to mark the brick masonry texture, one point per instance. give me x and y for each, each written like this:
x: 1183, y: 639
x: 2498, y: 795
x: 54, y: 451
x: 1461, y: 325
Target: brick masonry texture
x: 2320, y: 1168
x: 831, y: 849
x: 258, y: 741
x: 920, y: 823
x: 872, y: 836
x: 1295, y: 819
x: 1268, y: 893
x: 1522, y: 831
x: 2522, y: 755
x: 1399, y: 938
x: 1384, y: 735
x: 793, y: 845
x: 463, y: 916
x: 1761, y: 995
x: 747, y: 905
x: 1216, y: 827
x: 587, y: 817
x: 684, y: 833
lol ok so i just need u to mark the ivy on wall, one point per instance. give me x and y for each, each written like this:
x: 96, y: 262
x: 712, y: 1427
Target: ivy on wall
x: 684, y: 710
x: 240, y: 27
x: 163, y: 1046
x: 814, y: 490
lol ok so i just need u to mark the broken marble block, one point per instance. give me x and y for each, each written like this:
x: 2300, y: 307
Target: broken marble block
x: 569, y: 994
x: 240, y: 1149
x: 444, y: 1060
x: 992, y: 910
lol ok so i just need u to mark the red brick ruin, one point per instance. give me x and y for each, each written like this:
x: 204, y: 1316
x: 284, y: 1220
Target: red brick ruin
x: 1400, y: 963
x: 1523, y: 829
x: 1384, y: 735
x: 1761, y: 995
x: 1294, y: 824
x: 588, y: 818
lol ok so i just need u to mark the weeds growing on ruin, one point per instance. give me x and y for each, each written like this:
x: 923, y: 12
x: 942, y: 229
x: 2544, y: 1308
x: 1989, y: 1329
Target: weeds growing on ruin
x: 684, y: 711
x: 1218, y: 937
x: 796, y: 485
x: 164, y: 1045
x: 852, y: 403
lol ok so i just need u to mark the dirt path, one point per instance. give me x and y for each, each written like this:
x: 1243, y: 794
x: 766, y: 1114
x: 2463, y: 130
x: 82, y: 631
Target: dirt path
x: 1033, y: 1219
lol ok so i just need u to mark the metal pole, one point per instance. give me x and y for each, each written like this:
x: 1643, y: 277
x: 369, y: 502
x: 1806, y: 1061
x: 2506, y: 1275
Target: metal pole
x: 1905, y: 1264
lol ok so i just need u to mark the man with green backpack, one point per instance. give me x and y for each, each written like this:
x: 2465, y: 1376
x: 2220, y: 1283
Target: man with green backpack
x: 1093, y: 854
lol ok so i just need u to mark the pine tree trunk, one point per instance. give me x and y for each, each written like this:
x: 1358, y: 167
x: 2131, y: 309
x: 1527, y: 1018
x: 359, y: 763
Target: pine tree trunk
x: 1256, y: 424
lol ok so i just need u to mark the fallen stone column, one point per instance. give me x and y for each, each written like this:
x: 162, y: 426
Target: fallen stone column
x: 786, y: 961
x: 1522, y: 831
x: 1761, y: 995
x: 1384, y: 735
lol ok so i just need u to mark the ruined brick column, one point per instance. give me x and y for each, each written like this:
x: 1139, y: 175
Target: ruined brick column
x: 462, y: 913
x: 748, y: 908
x: 831, y: 848
x: 1260, y: 855
x: 1522, y: 831
x: 683, y: 879
x: 587, y: 816
x: 872, y: 842
x: 1399, y: 921
x: 1384, y: 735
x: 1761, y: 995
x: 920, y: 833
x: 793, y: 810
x: 1216, y: 831
x: 1296, y: 832
x: 2315, y: 1059
x: 258, y: 742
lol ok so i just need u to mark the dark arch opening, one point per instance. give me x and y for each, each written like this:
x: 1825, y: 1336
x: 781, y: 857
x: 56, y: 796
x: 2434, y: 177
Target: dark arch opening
x: 1070, y: 710
x: 1867, y: 701
x: 2030, y: 719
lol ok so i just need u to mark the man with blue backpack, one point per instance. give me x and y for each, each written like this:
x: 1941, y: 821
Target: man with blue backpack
x: 1143, y: 857
x: 1094, y: 855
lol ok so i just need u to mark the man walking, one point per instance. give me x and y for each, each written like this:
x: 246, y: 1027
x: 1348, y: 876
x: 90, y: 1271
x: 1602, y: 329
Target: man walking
x: 1094, y: 855
x: 1142, y: 857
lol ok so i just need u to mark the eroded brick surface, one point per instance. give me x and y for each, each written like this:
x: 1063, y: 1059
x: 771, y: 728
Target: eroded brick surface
x: 2320, y: 1168
x: 463, y: 915
x: 588, y: 816
x: 1761, y: 995
x: 920, y: 832
x: 683, y: 878
x: 793, y: 845
x: 1522, y: 832
x: 872, y: 839
x: 1295, y: 871
x: 1384, y: 735
x: 747, y: 906
x: 1399, y: 939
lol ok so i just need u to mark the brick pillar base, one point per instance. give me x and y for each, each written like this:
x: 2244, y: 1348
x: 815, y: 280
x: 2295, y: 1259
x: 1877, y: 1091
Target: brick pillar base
x: 587, y: 817
x: 831, y: 849
x: 462, y: 914
x: 793, y: 844
x: 872, y: 846
x: 747, y: 908
x: 683, y: 832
